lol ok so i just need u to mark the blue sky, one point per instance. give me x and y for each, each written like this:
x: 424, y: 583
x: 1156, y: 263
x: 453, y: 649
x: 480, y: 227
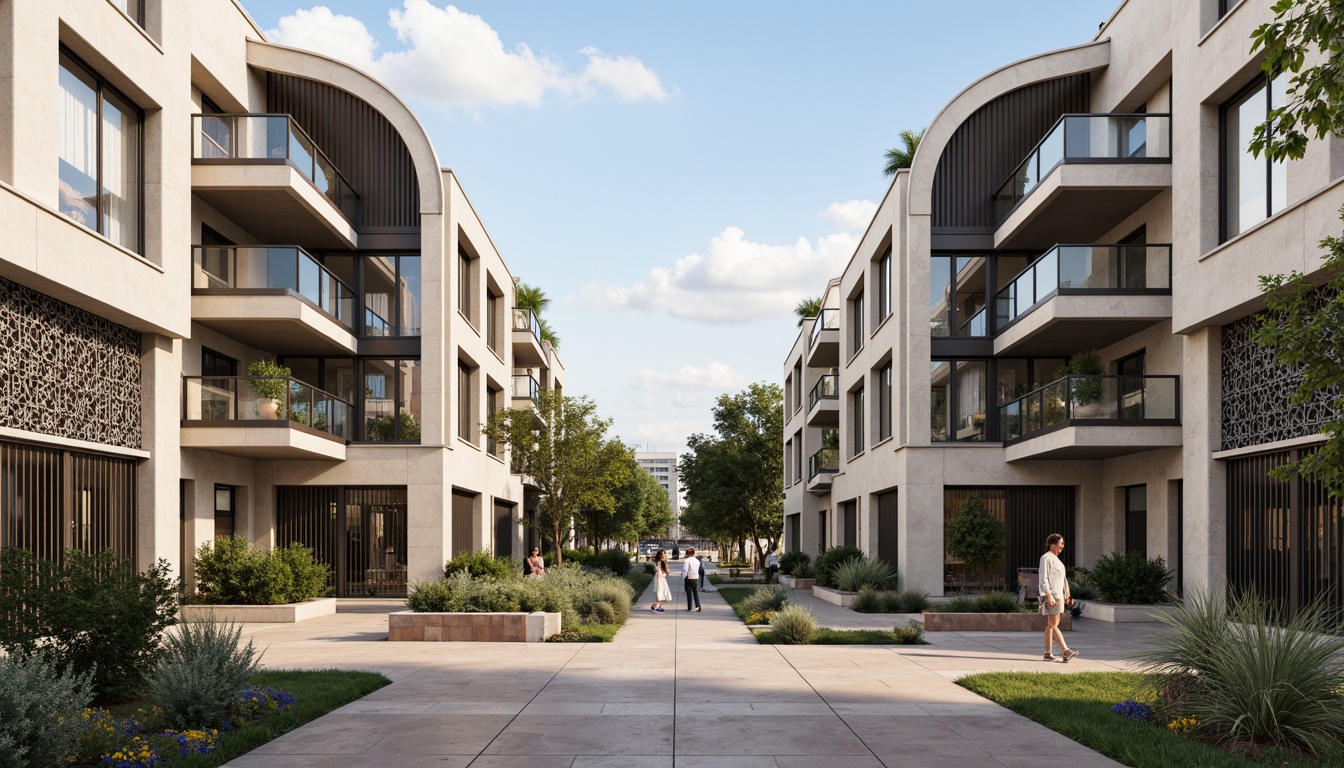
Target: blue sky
x: 665, y: 170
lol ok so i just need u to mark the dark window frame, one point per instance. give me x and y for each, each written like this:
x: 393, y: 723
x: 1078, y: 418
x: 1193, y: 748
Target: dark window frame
x: 884, y: 307
x: 232, y: 362
x: 231, y: 511
x: 858, y: 442
x: 398, y: 398
x: 1240, y: 97
x: 1130, y: 513
x: 884, y: 396
x: 989, y: 427
x: 361, y: 259
x: 856, y: 310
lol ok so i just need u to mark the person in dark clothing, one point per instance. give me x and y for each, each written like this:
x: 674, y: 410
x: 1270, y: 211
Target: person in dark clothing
x: 691, y: 570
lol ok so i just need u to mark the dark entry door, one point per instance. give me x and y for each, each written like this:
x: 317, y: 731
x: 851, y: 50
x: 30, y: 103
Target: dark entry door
x: 359, y: 532
x: 887, y: 531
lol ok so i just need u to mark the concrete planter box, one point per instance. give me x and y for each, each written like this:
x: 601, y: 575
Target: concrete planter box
x: 991, y: 622
x: 834, y: 596
x: 409, y: 626
x: 1120, y: 613
x: 793, y: 582
x: 287, y: 613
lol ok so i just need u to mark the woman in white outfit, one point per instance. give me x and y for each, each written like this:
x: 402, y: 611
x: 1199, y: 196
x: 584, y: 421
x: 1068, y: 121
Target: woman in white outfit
x: 661, y: 592
x: 1054, y: 595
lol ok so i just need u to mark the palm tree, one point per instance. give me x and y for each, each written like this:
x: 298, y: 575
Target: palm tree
x: 530, y: 297
x: 547, y: 334
x: 902, y: 158
x: 807, y: 307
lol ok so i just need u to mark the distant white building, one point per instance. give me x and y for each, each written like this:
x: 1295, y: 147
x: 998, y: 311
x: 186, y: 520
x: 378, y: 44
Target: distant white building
x: 663, y: 466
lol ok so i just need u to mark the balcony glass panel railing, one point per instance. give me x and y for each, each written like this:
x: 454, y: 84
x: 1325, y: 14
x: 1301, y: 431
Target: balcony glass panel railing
x: 826, y: 388
x: 1121, y: 399
x: 274, y: 138
x: 268, y: 268
x: 526, y: 388
x: 527, y: 320
x: 1086, y: 138
x: 1085, y: 269
x: 828, y: 320
x: 257, y: 398
x: 825, y: 460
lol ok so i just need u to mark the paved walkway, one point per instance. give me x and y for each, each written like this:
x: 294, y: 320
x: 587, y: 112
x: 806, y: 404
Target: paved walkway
x: 681, y: 689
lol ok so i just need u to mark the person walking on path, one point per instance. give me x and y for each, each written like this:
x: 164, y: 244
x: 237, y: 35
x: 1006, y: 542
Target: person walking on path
x: 691, y: 572
x: 537, y: 564
x: 1054, y: 596
x: 661, y: 594
x: 771, y: 566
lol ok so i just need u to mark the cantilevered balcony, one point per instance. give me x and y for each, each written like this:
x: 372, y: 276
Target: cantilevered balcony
x: 526, y: 389
x: 527, y: 347
x: 821, y: 467
x: 823, y: 347
x: 262, y: 171
x: 276, y: 298
x: 823, y: 402
x: 1093, y: 417
x: 264, y: 418
x: 1082, y: 297
x: 1086, y: 176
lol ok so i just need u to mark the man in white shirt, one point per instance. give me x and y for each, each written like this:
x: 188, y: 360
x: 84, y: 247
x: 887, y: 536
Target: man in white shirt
x: 691, y: 570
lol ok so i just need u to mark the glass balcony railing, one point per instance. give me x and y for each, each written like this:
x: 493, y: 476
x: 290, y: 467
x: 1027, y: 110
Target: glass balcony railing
x: 1124, y: 400
x: 256, y: 398
x: 828, y: 320
x: 1085, y: 269
x: 527, y: 320
x: 825, y: 460
x: 826, y: 388
x: 270, y: 268
x: 1082, y: 139
x: 271, y: 138
x: 526, y: 387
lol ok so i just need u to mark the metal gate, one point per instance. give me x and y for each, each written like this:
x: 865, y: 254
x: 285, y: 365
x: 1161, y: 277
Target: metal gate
x: 359, y: 532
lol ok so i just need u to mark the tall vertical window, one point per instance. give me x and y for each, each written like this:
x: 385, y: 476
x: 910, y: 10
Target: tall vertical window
x: 465, y: 428
x: 391, y: 403
x: 957, y: 400
x: 392, y: 295
x: 224, y: 513
x: 492, y: 399
x: 1254, y: 188
x: 492, y: 320
x: 884, y: 285
x: 884, y: 402
x: 957, y: 289
x: 100, y: 156
x: 857, y: 425
x: 856, y: 322
x: 1136, y: 519
x: 798, y: 390
x: 464, y: 284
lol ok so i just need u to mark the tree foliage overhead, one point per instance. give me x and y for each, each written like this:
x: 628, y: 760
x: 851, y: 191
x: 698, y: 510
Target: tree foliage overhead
x: 976, y: 537
x: 1304, y: 41
x: 640, y: 510
x: 734, y: 479
x: 902, y: 156
x: 563, y: 446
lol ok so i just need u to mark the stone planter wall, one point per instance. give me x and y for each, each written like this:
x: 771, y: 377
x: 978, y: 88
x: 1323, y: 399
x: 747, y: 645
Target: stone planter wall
x: 991, y: 622
x: 792, y: 582
x: 261, y: 614
x: 1121, y: 613
x: 834, y: 596
x: 408, y: 626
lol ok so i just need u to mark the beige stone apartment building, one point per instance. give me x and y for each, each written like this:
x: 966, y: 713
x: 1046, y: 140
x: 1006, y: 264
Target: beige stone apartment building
x: 180, y: 199
x: 1099, y: 197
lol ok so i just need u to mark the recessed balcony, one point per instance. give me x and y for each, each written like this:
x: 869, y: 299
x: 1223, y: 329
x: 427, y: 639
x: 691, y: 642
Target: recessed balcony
x: 1082, y: 297
x: 263, y: 172
x: 821, y: 468
x: 264, y: 418
x: 527, y: 347
x: 525, y: 389
x: 1088, y: 174
x: 276, y: 298
x: 1093, y: 417
x: 823, y: 402
x: 823, y: 346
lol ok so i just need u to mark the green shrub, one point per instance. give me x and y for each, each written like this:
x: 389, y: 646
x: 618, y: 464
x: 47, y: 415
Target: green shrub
x: 804, y: 572
x: 911, y: 633
x: 976, y: 537
x: 230, y: 571
x: 859, y: 572
x: 908, y: 601
x: 200, y: 674
x: 308, y: 576
x: 576, y: 556
x: 483, y: 564
x: 960, y: 604
x: 1249, y: 679
x: 868, y: 600
x: 605, y: 600
x: 488, y: 595
x: 1080, y: 583
x: 602, y: 612
x: 443, y: 596
x: 568, y: 590
x: 615, y: 560
x: 95, y: 612
x: 828, y: 561
x: 794, y: 625
x: 768, y: 598
x: 36, y: 695
x: 649, y: 568
x: 997, y: 602
x: 1129, y: 577
x: 789, y: 561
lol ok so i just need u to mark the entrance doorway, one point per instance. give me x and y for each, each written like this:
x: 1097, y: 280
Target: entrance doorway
x: 359, y: 532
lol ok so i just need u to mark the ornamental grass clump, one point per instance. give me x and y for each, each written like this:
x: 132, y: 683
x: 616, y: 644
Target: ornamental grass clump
x: 997, y: 602
x: 1245, y: 677
x: 907, y: 601
x: 864, y: 571
x: 198, y: 677
x: 766, y: 599
x: 829, y: 560
x: 578, y: 595
x: 794, y: 625
x: 911, y: 633
x: 868, y: 600
x: 35, y: 695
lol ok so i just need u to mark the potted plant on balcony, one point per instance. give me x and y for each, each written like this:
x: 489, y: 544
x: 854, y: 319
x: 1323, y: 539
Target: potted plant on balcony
x: 1086, y: 391
x: 270, y: 381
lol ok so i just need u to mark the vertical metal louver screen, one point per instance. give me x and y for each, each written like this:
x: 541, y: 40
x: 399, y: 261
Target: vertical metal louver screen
x: 308, y: 516
x: 503, y: 530
x: 360, y: 532
x: 103, y: 505
x: 32, y: 491
x: 1029, y: 514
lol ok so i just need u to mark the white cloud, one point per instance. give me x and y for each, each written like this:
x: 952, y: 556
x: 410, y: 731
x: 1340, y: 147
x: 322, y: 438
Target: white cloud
x: 735, y: 280
x: 714, y: 376
x: 454, y: 58
x: 850, y: 216
x: 667, y: 435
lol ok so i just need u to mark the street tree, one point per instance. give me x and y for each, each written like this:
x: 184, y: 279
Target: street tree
x: 975, y: 537
x: 640, y: 508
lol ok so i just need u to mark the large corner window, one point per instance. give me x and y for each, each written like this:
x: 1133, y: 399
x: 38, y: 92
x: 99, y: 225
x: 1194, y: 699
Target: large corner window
x: 1254, y: 188
x: 392, y: 295
x: 957, y: 296
x: 100, y: 156
x: 957, y: 401
x: 392, y: 395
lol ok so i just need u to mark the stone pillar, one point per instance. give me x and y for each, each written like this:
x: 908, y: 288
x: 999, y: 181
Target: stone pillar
x: 1205, y: 534
x: 920, y: 510
x: 429, y: 501
x: 159, y: 528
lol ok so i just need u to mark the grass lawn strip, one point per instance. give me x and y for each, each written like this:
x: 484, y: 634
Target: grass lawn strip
x: 734, y: 597
x: 1080, y: 706
x: 839, y: 637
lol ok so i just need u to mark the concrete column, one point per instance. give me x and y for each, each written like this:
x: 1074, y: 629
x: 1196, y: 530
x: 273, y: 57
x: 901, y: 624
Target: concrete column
x: 428, y: 504
x: 1205, y: 534
x: 159, y: 528
x: 1093, y: 518
x: 920, y: 512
